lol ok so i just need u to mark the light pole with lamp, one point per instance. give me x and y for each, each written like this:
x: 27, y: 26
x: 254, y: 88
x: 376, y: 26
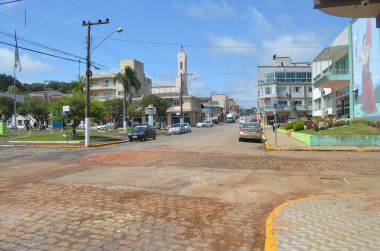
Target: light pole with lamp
x: 89, y: 74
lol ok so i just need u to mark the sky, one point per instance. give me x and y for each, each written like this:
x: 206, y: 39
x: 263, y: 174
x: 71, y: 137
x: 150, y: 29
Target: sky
x: 224, y: 41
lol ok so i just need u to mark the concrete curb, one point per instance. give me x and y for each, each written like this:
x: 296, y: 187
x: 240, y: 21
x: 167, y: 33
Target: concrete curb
x: 270, y: 232
x: 316, y: 149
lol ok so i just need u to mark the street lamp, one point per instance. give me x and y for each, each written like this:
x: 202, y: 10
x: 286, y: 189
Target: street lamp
x: 89, y: 74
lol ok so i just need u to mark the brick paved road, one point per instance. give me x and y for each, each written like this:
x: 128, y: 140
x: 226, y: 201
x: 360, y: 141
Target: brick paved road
x: 198, y: 191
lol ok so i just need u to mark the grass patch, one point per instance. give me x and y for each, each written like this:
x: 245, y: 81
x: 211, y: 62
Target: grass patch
x: 354, y: 129
x: 9, y: 135
x: 57, y: 137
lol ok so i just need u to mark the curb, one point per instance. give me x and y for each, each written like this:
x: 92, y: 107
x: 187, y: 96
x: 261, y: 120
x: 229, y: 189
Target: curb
x: 270, y: 232
x: 316, y: 149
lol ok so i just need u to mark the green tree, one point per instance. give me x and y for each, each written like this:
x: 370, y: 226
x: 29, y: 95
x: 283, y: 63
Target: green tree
x: 135, y: 111
x: 8, y: 80
x: 161, y: 105
x: 6, y: 107
x: 77, y: 110
x: 11, y: 89
x: 129, y: 81
x: 115, y: 107
x: 78, y: 85
x: 35, y: 108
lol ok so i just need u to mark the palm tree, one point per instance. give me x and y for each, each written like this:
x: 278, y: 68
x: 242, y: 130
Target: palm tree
x: 129, y: 80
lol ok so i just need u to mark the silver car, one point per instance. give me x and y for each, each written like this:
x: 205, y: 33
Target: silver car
x: 187, y: 127
x: 176, y: 129
x: 250, y: 131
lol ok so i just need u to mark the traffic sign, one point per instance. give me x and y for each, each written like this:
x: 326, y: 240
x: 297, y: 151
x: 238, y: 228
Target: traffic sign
x: 89, y: 73
x: 150, y: 110
x: 264, y: 113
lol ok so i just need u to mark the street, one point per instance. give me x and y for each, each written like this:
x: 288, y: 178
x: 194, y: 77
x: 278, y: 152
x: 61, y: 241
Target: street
x: 202, y: 190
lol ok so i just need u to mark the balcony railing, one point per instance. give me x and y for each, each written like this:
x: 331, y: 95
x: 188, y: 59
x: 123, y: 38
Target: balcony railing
x: 284, y: 107
x: 331, y: 72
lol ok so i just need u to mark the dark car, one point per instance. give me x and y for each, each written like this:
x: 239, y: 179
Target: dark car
x: 142, y: 133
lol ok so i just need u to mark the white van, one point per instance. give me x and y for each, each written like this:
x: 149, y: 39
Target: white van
x: 242, y: 120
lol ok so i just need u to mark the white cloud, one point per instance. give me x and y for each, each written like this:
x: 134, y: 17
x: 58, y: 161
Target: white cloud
x: 299, y: 45
x: 260, y: 23
x: 197, y: 88
x: 283, y: 18
x: 207, y: 9
x: 244, y: 92
x: 274, y: 3
x: 29, y: 65
x: 236, y: 46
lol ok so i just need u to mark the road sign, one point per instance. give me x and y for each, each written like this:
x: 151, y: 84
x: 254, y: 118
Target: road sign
x: 65, y: 113
x: 89, y: 73
x: 264, y: 113
x: 150, y: 110
x: 65, y: 108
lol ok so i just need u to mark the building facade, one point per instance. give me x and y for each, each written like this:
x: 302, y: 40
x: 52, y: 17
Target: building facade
x: 346, y: 74
x: 281, y: 84
x: 103, y: 87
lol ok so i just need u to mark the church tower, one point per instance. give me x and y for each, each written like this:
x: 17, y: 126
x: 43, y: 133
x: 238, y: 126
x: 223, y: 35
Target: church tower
x: 182, y: 68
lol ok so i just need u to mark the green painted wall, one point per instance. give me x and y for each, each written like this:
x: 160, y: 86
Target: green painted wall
x: 304, y: 138
x: 345, y: 141
x: 3, y: 128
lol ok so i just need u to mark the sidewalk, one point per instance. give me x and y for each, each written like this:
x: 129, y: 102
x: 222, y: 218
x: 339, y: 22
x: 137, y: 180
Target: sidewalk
x: 285, y: 142
x: 326, y: 222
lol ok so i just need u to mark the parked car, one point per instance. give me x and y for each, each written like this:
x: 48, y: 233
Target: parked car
x: 83, y: 126
x: 142, y: 132
x: 108, y: 125
x: 207, y: 123
x: 250, y: 131
x: 242, y: 120
x: 187, y: 127
x: 22, y: 126
x: 176, y: 129
x: 134, y: 124
x: 215, y: 121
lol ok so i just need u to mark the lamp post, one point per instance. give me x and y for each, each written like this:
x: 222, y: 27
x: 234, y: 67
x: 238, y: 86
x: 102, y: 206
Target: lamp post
x: 89, y: 74
x: 181, y: 94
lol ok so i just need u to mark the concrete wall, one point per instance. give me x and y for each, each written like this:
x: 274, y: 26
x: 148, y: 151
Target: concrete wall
x: 355, y: 140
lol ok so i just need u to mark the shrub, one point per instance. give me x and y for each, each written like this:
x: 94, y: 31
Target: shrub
x: 298, y: 126
x: 288, y: 126
x: 330, y: 115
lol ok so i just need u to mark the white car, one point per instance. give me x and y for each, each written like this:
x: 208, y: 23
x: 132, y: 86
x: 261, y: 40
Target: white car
x: 108, y: 125
x: 207, y: 123
x: 176, y: 129
x: 187, y: 127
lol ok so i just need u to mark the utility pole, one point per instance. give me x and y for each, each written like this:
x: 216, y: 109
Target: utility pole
x: 181, y: 95
x: 89, y: 74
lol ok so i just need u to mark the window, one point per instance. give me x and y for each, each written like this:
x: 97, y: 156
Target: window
x: 267, y: 90
x: 282, y: 102
x: 176, y: 103
x: 120, y: 93
x: 309, y: 103
x: 310, y: 89
x: 94, y: 94
x: 214, y: 103
x: 281, y: 89
x: 297, y: 89
x: 107, y: 95
x: 180, y: 67
x: 95, y: 84
x: 106, y: 83
x: 298, y: 102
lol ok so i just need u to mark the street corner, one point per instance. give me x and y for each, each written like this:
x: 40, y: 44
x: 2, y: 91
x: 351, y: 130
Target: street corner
x: 325, y: 222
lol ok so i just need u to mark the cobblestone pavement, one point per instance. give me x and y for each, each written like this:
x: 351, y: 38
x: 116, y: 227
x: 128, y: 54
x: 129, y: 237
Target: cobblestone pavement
x: 342, y: 222
x: 199, y: 191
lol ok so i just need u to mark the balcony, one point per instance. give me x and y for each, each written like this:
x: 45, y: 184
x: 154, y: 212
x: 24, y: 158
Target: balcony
x: 284, y: 107
x: 337, y: 79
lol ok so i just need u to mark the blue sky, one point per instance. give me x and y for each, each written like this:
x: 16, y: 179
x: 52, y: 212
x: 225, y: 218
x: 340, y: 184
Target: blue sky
x: 225, y: 40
